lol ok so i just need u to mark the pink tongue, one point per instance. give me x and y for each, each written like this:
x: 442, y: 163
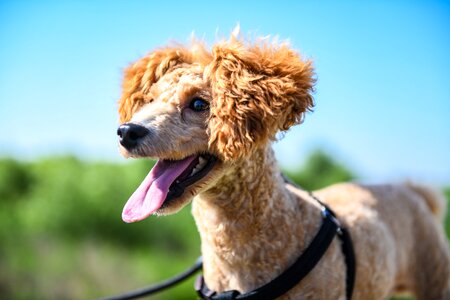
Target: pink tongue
x: 152, y: 192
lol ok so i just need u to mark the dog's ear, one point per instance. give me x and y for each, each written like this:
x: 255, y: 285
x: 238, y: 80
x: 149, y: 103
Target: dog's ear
x: 141, y: 75
x: 257, y: 91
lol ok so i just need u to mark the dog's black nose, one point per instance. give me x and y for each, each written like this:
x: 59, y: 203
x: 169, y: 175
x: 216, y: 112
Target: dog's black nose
x: 129, y: 134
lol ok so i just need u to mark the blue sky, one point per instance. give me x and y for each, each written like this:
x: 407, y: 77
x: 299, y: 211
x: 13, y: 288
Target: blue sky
x: 383, y: 69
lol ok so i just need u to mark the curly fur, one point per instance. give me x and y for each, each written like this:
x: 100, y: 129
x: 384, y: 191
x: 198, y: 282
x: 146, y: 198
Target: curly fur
x: 252, y: 224
x: 257, y: 91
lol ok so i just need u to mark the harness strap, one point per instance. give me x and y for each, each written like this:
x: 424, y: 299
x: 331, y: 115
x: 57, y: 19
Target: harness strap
x: 350, y: 261
x: 347, y: 250
x: 296, y: 272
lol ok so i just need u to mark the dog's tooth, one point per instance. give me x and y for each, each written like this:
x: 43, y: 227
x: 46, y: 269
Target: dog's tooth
x: 201, y: 164
x: 195, y: 170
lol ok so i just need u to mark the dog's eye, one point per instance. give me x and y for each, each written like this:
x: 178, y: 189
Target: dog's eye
x: 198, y: 104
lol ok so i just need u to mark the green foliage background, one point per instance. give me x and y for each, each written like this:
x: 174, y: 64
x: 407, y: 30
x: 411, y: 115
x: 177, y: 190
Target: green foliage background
x: 62, y: 237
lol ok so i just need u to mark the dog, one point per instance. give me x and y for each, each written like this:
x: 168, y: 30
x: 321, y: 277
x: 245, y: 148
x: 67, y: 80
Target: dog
x: 209, y: 117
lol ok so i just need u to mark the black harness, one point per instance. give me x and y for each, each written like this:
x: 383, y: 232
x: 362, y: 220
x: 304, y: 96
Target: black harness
x: 285, y: 281
x: 304, y: 264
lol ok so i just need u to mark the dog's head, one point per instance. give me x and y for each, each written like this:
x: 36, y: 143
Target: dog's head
x: 199, y: 113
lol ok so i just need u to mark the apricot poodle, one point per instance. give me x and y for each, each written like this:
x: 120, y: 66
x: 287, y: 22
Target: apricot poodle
x: 209, y: 117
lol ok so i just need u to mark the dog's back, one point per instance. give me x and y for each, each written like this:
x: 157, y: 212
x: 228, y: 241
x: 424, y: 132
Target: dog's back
x: 436, y: 201
x: 398, y: 237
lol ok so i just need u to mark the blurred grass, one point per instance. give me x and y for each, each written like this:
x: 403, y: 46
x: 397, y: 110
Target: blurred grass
x: 62, y: 236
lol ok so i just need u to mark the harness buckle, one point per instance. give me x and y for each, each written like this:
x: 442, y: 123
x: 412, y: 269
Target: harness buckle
x: 205, y: 293
x: 327, y: 214
x: 228, y: 295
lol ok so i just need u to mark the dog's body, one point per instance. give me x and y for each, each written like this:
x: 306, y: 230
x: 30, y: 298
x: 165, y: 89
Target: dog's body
x: 246, y: 242
x: 212, y: 116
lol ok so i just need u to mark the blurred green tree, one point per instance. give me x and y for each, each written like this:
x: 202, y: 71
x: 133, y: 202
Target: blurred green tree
x: 16, y: 180
x: 447, y: 218
x: 320, y: 170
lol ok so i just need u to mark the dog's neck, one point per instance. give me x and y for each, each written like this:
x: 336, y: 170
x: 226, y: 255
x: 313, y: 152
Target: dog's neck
x: 250, y: 225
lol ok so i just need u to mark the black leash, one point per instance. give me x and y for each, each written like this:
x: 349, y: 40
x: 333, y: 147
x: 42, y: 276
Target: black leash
x: 295, y: 273
x: 160, y: 286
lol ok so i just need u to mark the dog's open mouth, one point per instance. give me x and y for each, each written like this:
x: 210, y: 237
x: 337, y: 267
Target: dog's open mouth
x: 166, y: 181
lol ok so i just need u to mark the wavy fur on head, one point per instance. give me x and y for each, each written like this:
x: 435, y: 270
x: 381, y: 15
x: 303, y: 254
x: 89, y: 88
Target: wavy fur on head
x: 140, y: 76
x: 257, y: 90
